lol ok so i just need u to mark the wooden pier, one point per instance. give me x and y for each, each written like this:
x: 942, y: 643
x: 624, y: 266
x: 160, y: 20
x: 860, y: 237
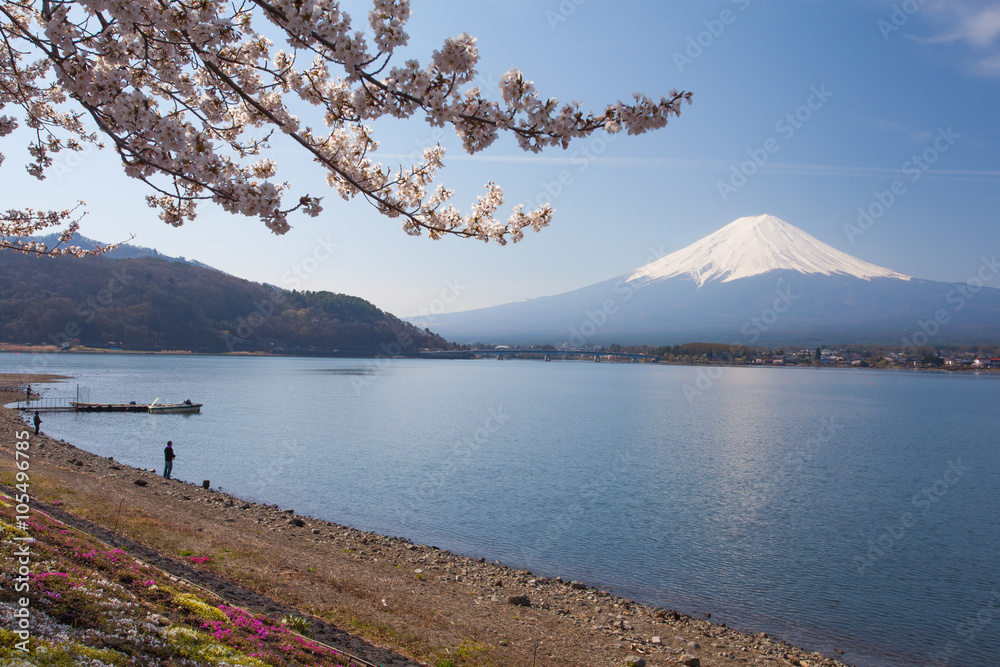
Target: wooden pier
x: 50, y: 404
x: 109, y: 407
x: 45, y: 405
x: 155, y: 408
x: 68, y: 405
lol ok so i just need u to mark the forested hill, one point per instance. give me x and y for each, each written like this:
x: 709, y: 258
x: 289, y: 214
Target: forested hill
x: 152, y: 303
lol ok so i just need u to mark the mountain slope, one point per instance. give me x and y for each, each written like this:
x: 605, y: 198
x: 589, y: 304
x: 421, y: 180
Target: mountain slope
x: 753, y: 246
x: 758, y: 280
x: 150, y: 303
x: 124, y: 251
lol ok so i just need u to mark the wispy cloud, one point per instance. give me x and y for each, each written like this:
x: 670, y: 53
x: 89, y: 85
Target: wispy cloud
x: 972, y: 23
x: 975, y: 25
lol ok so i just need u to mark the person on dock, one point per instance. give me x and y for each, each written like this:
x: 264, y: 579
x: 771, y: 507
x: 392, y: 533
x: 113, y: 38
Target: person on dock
x: 38, y: 422
x: 28, y: 393
x: 168, y: 456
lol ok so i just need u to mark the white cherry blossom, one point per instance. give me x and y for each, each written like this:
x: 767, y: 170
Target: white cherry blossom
x: 189, y: 93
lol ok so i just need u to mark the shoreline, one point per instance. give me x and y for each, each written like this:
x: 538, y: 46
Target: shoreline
x: 267, y: 355
x: 414, y: 599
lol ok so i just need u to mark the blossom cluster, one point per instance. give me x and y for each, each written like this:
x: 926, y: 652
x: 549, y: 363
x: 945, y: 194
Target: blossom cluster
x: 17, y: 225
x: 182, y: 91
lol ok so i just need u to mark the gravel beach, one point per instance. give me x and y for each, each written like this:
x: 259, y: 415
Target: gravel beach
x: 378, y: 597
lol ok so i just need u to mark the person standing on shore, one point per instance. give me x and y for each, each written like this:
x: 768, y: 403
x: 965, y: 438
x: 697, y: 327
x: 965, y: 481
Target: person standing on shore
x: 38, y: 422
x: 28, y: 393
x: 168, y: 457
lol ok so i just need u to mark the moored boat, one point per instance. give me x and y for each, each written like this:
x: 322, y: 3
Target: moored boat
x: 186, y: 406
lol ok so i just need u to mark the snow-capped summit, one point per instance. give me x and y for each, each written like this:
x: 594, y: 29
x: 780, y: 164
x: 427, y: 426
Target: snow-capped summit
x: 758, y: 280
x: 754, y: 245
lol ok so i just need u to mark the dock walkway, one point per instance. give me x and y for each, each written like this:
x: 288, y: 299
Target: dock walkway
x: 64, y: 404
x: 44, y: 405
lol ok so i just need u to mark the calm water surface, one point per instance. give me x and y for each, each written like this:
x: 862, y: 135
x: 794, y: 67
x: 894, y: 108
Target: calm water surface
x: 838, y: 509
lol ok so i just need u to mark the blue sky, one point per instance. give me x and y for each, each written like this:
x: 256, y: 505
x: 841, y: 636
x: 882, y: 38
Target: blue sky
x: 824, y: 103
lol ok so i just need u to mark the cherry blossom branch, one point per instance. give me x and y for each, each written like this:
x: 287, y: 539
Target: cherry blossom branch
x: 17, y: 226
x: 179, y: 88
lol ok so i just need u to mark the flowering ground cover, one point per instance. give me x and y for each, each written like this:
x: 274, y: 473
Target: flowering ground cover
x: 92, y: 604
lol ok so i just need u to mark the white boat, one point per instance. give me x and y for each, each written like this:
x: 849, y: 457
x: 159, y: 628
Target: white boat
x: 186, y: 406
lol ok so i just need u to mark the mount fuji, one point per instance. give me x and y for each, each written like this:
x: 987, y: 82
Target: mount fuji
x: 758, y: 280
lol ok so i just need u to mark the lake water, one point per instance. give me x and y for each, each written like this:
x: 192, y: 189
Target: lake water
x: 837, y: 509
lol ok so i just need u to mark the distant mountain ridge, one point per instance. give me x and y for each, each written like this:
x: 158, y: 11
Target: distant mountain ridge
x: 758, y: 280
x: 150, y: 302
x: 124, y: 251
